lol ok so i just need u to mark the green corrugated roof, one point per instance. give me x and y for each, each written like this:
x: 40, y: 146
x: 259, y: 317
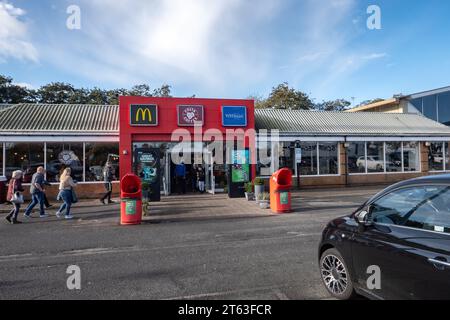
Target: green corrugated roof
x: 347, y: 123
x: 60, y: 118
x: 101, y: 119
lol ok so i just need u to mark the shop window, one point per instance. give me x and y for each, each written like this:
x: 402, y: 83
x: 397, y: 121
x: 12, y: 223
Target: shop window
x: 393, y: 156
x: 263, y: 167
x: 444, y: 108
x: 430, y: 107
x: 308, y: 165
x: 356, y: 157
x: 26, y: 157
x: 411, y: 157
x: 97, y: 155
x: 286, y: 155
x: 1, y: 159
x: 328, y: 158
x: 375, y: 157
x: 64, y: 155
x: 436, y: 156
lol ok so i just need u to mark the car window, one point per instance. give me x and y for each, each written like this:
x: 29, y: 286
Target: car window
x: 425, y: 208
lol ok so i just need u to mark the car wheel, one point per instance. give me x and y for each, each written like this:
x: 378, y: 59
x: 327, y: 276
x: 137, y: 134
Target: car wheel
x: 335, y: 275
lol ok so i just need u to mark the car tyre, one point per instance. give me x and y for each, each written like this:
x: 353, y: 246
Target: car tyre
x: 336, y: 275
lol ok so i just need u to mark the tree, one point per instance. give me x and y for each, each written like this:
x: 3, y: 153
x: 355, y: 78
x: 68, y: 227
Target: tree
x: 366, y: 102
x: 335, y: 105
x: 283, y: 97
x: 163, y: 92
x: 12, y: 93
x: 56, y: 92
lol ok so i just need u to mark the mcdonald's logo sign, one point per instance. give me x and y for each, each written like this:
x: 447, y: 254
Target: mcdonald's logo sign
x: 143, y: 115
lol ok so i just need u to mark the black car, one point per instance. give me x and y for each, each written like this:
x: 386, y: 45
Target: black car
x: 395, y: 246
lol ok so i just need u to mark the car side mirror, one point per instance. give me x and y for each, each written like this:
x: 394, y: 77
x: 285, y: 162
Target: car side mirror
x: 363, y: 217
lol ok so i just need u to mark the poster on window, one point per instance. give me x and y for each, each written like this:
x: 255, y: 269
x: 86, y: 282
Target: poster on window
x: 240, y: 169
x: 147, y: 164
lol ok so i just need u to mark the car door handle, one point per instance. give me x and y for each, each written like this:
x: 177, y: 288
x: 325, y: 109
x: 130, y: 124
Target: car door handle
x: 439, y: 263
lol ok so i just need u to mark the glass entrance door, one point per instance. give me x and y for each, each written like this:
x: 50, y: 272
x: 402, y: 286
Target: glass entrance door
x: 210, y: 182
x: 166, y: 176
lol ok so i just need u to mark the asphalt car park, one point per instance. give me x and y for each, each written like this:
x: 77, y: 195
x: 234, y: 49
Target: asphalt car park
x: 246, y: 253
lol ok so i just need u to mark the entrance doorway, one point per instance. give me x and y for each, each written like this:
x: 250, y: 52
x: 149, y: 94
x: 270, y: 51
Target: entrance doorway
x: 215, y: 174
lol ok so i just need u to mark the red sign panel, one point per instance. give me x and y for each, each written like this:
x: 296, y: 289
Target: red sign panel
x: 190, y: 115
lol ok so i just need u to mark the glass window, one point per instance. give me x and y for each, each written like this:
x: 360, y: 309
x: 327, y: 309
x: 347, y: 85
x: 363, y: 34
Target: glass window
x: 447, y: 154
x: 375, y: 157
x: 328, y: 158
x: 1, y: 158
x: 286, y: 151
x: 417, y: 103
x: 436, y: 156
x: 429, y: 107
x: 444, y: 108
x: 356, y: 157
x: 395, y: 207
x: 393, y: 156
x: 411, y: 156
x: 97, y: 154
x: 425, y: 208
x: 64, y: 155
x: 24, y: 156
x: 263, y: 167
x: 433, y: 211
x: 308, y: 165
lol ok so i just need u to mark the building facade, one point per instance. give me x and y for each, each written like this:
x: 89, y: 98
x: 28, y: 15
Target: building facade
x: 433, y: 104
x: 321, y: 148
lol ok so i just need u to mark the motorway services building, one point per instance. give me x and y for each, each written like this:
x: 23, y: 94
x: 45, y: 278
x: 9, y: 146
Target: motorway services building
x: 336, y: 148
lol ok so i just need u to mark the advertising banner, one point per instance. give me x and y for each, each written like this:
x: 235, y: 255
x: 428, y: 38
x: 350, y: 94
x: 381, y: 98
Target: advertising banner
x: 148, y: 165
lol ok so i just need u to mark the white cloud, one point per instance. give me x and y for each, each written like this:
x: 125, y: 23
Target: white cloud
x: 14, y: 41
x: 197, y: 43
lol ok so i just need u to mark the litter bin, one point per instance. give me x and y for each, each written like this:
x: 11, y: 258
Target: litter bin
x: 280, y: 191
x: 3, y: 189
x: 131, y: 200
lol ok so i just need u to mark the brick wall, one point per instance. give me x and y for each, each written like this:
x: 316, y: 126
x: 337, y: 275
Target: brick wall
x: 83, y: 190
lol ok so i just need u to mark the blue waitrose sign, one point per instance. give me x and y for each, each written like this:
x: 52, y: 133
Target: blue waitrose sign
x: 234, y: 116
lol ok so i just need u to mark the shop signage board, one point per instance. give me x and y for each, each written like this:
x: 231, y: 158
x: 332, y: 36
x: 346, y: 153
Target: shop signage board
x: 240, y: 170
x: 143, y: 115
x: 234, y: 116
x: 147, y: 167
x: 188, y: 116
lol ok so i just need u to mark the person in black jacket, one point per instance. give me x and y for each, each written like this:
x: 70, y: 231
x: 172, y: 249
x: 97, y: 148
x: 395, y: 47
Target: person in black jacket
x: 108, y: 176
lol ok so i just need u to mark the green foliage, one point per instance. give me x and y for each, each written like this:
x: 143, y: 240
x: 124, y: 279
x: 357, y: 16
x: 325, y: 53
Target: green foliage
x: 265, y: 196
x: 258, y: 182
x: 284, y: 97
x: 335, y: 105
x: 65, y: 93
x: 248, y: 187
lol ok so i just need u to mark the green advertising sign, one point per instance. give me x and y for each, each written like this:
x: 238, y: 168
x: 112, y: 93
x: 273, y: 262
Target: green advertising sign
x: 130, y: 207
x: 240, y: 169
x: 284, y: 198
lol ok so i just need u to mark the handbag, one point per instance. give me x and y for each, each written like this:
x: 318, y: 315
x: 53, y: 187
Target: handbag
x: 17, y: 198
x: 74, y: 196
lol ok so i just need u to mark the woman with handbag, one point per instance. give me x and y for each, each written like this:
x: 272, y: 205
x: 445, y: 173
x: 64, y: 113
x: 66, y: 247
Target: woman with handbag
x: 15, y: 196
x: 66, y: 193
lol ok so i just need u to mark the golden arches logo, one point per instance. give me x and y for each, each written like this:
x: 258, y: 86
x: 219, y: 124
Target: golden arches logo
x: 142, y: 115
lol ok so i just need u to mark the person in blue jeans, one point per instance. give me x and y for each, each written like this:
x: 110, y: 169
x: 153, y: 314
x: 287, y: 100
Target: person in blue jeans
x: 66, y: 184
x: 37, y: 193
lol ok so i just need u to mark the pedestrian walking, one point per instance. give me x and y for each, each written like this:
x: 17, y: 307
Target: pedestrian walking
x: 201, y: 179
x: 108, y: 176
x: 37, y: 193
x: 15, y: 196
x: 66, y: 193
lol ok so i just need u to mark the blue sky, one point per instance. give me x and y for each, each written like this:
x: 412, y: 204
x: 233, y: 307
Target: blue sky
x: 230, y: 48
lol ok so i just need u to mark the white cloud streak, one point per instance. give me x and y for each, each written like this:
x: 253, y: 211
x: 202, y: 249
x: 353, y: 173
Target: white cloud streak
x: 14, y: 42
